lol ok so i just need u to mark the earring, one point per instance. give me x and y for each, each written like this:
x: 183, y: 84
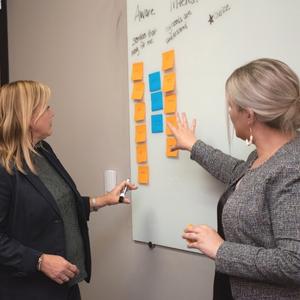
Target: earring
x: 250, y: 141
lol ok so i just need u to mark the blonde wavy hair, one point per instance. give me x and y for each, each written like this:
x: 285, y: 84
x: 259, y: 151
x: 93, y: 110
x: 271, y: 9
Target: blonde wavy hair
x: 271, y: 89
x: 21, y: 102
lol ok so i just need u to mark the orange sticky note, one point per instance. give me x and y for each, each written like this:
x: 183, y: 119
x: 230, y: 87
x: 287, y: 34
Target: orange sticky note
x: 169, y: 82
x: 190, y: 227
x: 141, y: 153
x: 137, y: 71
x: 140, y: 133
x: 173, y: 121
x: 143, y: 174
x: 168, y: 60
x: 139, y: 111
x: 170, y: 104
x: 138, y: 90
x: 170, y: 143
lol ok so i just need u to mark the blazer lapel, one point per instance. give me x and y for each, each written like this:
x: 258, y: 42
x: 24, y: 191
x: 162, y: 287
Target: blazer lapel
x: 41, y: 188
x: 55, y: 163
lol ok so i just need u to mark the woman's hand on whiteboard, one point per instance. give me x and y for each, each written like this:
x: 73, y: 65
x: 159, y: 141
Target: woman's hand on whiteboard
x: 203, y: 238
x: 183, y: 133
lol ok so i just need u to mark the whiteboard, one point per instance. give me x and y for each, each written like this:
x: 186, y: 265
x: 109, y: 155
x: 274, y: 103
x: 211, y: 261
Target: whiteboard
x: 210, y: 38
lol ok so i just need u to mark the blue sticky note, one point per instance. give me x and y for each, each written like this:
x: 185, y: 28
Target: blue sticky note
x: 154, y: 82
x: 157, y: 123
x: 156, y: 101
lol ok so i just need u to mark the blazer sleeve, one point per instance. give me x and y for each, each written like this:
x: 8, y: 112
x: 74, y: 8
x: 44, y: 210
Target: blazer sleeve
x: 280, y: 264
x: 220, y: 165
x: 18, y: 258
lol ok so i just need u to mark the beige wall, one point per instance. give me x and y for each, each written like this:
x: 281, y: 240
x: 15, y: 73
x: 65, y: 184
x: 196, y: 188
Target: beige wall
x: 79, y: 49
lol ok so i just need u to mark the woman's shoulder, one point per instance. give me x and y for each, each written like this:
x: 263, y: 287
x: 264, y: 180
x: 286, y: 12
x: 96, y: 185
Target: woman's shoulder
x: 45, y: 148
x: 289, y: 154
x: 44, y: 145
x: 5, y: 176
x: 2, y: 170
x: 252, y: 156
x: 292, y: 149
x: 285, y: 165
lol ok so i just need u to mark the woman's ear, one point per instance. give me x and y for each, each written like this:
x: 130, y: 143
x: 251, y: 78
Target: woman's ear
x: 250, y: 116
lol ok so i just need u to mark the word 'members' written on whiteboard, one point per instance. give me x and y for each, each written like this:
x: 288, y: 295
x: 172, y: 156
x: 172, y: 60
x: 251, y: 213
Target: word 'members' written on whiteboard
x: 177, y: 26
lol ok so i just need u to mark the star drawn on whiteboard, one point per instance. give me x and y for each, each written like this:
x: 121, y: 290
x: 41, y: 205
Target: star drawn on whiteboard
x: 211, y: 19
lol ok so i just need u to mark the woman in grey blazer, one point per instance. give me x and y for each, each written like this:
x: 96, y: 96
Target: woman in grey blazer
x: 257, y: 245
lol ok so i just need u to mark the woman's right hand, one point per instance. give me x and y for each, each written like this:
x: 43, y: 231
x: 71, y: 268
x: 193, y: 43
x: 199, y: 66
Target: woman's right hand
x: 113, y: 196
x: 57, y: 268
x: 184, y: 134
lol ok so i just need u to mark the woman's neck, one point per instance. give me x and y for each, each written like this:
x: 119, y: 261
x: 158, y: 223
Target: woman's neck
x: 35, y: 140
x: 268, y: 141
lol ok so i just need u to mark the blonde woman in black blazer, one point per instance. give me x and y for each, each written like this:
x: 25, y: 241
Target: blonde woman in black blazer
x: 44, y: 242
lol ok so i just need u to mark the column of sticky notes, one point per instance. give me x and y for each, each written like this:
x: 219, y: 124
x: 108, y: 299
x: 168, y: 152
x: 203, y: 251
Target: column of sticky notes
x: 170, y: 103
x: 156, y: 102
x: 140, y: 119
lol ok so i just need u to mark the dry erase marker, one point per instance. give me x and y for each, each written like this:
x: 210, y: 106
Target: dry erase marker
x: 123, y: 192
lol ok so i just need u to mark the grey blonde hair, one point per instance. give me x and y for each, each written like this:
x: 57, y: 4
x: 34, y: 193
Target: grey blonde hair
x: 20, y: 102
x: 271, y: 89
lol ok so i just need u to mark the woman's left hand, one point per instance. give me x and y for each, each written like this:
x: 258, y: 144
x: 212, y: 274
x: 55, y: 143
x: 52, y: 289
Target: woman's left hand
x: 203, y: 238
x: 114, y: 196
x: 183, y: 133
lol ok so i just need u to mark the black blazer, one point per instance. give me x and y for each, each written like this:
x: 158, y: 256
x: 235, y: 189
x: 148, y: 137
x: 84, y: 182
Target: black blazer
x: 30, y: 224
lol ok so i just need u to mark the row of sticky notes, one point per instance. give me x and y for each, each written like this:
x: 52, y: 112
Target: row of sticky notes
x: 169, y: 82
x: 138, y: 91
x: 169, y: 85
x: 157, y: 102
x: 157, y: 123
x: 168, y: 59
x: 168, y: 105
x: 156, y: 120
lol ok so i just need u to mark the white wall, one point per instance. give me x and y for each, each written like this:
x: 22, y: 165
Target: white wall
x: 79, y: 49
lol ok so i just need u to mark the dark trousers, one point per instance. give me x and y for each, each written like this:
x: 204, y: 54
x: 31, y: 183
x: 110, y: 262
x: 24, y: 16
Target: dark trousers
x: 74, y: 293
x: 43, y: 289
x: 222, y: 289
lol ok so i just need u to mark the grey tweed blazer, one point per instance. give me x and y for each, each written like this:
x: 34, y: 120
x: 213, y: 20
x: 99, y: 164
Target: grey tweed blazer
x: 261, y: 221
